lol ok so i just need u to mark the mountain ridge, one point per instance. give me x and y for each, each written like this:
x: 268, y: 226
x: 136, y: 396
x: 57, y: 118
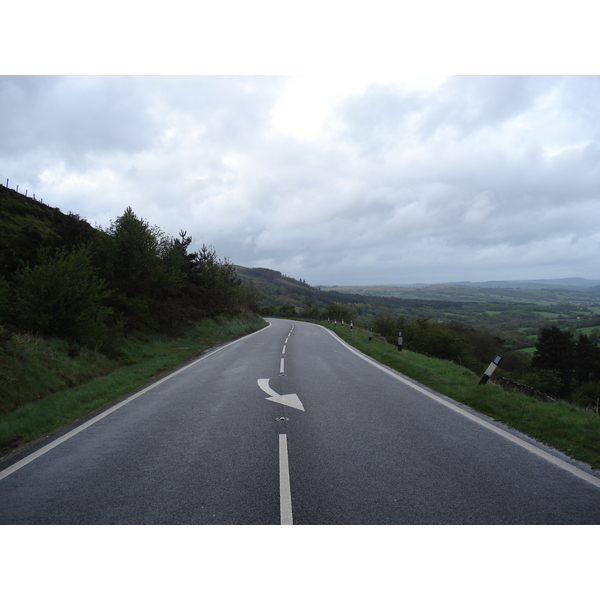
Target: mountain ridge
x: 569, y: 283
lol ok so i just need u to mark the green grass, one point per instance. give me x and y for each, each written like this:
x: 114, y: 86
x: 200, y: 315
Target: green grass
x: 101, y: 380
x: 569, y: 428
x: 32, y: 367
x: 587, y: 330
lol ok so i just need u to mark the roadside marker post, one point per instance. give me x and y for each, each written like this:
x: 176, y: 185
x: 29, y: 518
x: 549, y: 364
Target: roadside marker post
x: 370, y: 333
x: 490, y: 369
x: 399, y: 341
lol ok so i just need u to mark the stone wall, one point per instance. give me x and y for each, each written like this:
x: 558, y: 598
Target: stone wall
x: 513, y: 386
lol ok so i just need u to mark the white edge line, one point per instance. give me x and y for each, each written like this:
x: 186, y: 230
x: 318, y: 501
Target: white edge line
x: 30, y: 458
x: 285, y: 492
x: 505, y: 434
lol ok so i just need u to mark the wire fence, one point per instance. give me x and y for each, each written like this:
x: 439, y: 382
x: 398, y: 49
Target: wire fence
x: 5, y: 182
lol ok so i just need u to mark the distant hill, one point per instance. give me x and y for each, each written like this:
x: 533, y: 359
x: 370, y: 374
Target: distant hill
x: 569, y: 283
x: 545, y: 292
x: 275, y: 289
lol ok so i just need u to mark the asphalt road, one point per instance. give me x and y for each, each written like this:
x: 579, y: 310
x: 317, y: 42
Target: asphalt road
x: 340, y: 441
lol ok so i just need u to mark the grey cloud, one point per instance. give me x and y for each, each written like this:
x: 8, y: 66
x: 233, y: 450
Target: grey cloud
x: 69, y: 117
x: 481, y: 178
x: 466, y: 104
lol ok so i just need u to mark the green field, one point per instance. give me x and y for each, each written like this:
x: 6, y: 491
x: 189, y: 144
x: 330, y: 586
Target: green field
x: 513, y: 315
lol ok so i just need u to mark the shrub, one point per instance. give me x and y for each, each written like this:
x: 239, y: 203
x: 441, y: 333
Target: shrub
x: 62, y: 296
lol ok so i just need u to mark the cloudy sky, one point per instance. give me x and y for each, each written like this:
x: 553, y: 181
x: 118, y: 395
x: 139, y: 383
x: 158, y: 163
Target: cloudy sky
x: 366, y: 177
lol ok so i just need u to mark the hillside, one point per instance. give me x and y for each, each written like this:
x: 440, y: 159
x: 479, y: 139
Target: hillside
x: 274, y: 290
x: 567, y: 283
x: 78, y: 303
x: 61, y: 277
x: 26, y: 225
x: 546, y: 293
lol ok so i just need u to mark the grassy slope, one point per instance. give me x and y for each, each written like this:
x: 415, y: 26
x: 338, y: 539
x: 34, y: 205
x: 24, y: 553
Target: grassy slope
x: 143, y: 360
x: 573, y: 430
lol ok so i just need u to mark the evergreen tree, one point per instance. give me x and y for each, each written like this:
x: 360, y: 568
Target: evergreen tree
x: 63, y: 296
x: 555, y: 351
x: 587, y: 360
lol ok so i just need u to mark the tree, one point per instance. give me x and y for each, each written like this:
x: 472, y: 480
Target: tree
x: 310, y: 311
x: 433, y: 339
x: 63, y: 296
x: 587, y: 360
x: 338, y: 311
x: 287, y: 310
x: 555, y: 351
x: 134, y: 247
x: 5, y: 303
x: 217, y: 281
x: 388, y: 326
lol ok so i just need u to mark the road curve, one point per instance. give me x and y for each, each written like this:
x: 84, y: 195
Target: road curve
x: 291, y: 426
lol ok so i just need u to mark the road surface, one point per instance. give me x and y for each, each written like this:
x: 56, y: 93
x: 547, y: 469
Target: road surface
x: 291, y: 426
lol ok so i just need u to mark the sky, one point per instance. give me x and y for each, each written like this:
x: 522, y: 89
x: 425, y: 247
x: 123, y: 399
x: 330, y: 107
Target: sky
x: 387, y: 173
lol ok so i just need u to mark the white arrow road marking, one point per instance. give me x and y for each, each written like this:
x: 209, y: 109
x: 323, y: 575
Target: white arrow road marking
x: 287, y: 399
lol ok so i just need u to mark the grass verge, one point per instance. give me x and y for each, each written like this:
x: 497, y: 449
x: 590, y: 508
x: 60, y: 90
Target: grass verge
x: 568, y: 428
x: 141, y: 359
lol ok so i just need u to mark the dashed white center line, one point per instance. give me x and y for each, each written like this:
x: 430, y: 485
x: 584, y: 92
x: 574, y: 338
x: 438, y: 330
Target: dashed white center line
x: 285, y: 492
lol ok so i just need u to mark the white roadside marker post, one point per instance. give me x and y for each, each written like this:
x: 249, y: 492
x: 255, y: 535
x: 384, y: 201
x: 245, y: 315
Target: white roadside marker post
x: 399, y: 341
x: 490, y: 369
x: 370, y: 333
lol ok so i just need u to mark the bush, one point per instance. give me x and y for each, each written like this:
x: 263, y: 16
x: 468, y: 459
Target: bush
x: 546, y: 380
x: 338, y: 312
x: 4, y: 299
x: 433, y: 339
x: 386, y: 326
x: 63, y: 296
